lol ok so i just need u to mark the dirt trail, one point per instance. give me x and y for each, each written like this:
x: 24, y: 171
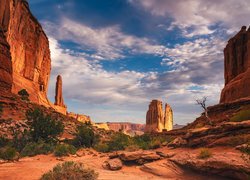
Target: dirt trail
x: 31, y: 168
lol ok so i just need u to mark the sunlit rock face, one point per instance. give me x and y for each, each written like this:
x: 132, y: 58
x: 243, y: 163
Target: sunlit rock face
x: 29, y: 49
x: 168, y: 118
x: 156, y: 119
x: 237, y: 67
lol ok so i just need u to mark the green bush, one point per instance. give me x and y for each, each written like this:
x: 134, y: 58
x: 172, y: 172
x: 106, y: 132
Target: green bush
x: 24, y: 94
x: 70, y: 171
x: 241, y: 116
x: 33, y: 148
x: 102, y: 147
x: 20, y: 139
x: 118, y: 142
x: 85, y: 136
x: 43, y: 127
x: 64, y: 150
x: 204, y: 153
x: 3, y: 141
x: 8, y: 153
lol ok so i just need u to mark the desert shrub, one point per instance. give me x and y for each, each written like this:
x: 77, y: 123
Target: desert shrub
x: 3, y: 141
x: 85, y: 136
x: 8, y: 153
x: 204, y: 153
x: 132, y: 147
x: 71, y: 171
x: 43, y: 127
x: 35, y: 148
x: 20, y: 139
x: 64, y: 150
x: 1, y: 107
x: 241, y: 116
x: 119, y: 141
x: 24, y: 94
x: 102, y: 147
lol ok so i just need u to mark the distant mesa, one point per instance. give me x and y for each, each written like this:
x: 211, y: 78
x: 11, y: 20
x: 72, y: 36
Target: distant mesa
x: 237, y: 67
x: 158, y: 120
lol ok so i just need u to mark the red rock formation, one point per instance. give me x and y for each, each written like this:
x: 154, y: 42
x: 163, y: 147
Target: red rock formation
x: 156, y: 119
x: 29, y: 49
x: 5, y: 57
x: 59, y: 96
x: 168, y: 117
x: 80, y: 117
x: 5, y: 64
x: 237, y: 67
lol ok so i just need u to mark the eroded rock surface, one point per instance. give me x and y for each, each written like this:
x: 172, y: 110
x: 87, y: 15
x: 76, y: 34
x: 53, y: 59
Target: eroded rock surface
x: 29, y: 49
x: 237, y: 67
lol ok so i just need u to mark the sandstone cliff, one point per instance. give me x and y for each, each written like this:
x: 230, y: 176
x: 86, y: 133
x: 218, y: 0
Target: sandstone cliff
x: 5, y: 64
x: 237, y: 67
x: 156, y: 119
x: 29, y: 48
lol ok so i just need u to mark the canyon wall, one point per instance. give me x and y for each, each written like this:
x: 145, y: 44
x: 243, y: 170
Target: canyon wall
x: 29, y: 49
x: 237, y: 67
x: 5, y: 64
x: 156, y: 119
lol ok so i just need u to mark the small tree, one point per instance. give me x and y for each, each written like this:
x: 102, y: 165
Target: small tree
x: 24, y: 94
x: 85, y: 136
x: 43, y: 127
x: 202, y: 103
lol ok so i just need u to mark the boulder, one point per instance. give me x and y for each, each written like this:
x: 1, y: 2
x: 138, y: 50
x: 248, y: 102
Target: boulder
x: 113, y: 164
x: 178, y: 142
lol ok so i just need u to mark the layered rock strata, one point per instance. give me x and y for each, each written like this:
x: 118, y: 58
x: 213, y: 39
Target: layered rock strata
x: 156, y: 119
x: 29, y: 49
x: 237, y: 67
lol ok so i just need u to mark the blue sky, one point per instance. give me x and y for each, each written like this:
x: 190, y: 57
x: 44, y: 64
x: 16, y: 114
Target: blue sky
x: 115, y: 56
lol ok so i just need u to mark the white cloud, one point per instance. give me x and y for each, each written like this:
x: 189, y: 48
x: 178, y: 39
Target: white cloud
x: 108, y: 43
x: 195, y: 17
x: 100, y: 93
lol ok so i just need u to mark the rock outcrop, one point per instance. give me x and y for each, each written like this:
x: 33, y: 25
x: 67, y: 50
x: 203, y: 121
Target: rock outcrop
x: 29, y: 48
x: 80, y: 117
x: 59, y: 105
x: 59, y: 95
x: 168, y: 117
x: 156, y: 119
x: 237, y: 67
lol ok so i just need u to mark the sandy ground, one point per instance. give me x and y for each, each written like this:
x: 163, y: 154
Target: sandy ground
x: 31, y: 168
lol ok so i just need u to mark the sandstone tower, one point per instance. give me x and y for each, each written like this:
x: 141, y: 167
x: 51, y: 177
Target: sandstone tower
x: 58, y: 93
x: 156, y: 119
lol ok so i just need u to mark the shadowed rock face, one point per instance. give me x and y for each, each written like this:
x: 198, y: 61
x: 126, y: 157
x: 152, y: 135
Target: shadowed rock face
x: 5, y: 65
x: 237, y: 67
x: 29, y: 49
x: 156, y: 119
x: 5, y: 57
